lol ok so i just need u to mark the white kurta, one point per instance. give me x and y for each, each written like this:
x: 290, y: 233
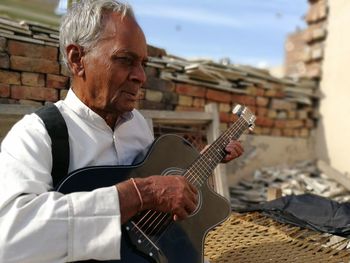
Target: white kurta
x: 39, y: 225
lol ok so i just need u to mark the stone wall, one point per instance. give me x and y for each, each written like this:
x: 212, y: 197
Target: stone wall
x: 31, y: 74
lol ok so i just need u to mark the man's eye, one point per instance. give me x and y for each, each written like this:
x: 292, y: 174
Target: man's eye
x: 125, y: 60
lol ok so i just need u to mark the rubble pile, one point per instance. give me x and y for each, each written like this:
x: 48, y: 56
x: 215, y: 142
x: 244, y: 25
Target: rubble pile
x: 302, y: 177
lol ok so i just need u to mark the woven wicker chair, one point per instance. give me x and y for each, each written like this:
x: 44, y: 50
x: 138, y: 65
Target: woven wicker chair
x: 252, y: 237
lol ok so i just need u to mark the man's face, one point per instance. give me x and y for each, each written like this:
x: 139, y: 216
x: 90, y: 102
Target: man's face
x: 114, y: 67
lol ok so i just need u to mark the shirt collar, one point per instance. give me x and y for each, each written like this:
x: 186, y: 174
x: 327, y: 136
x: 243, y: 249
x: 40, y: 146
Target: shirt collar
x: 75, y: 104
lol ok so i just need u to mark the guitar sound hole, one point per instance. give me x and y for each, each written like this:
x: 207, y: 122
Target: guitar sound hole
x: 179, y: 171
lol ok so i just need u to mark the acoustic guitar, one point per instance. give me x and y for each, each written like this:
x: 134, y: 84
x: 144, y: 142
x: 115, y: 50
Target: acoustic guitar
x: 153, y: 236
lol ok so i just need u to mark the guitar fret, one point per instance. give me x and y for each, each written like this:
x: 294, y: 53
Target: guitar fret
x: 204, y: 166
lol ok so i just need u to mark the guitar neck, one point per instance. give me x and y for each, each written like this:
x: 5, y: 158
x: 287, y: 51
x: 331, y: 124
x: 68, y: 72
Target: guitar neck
x: 204, y: 166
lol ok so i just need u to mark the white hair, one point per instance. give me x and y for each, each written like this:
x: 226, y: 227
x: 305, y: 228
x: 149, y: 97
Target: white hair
x: 82, y: 25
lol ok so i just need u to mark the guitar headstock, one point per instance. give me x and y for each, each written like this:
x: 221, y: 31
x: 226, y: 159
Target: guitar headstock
x: 246, y: 114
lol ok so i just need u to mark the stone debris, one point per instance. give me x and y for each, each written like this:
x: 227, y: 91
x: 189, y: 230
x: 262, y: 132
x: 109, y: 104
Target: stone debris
x: 302, y: 177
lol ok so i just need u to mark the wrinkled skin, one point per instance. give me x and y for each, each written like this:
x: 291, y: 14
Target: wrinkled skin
x: 107, y: 79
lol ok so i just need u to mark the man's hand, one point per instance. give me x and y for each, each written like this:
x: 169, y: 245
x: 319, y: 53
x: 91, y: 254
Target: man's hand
x: 234, y: 149
x: 172, y: 194
x: 169, y: 194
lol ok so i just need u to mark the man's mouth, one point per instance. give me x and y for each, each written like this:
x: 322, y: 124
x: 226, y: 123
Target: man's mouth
x: 131, y: 94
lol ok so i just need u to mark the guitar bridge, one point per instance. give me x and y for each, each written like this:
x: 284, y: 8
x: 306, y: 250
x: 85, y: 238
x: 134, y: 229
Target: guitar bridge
x: 142, y: 242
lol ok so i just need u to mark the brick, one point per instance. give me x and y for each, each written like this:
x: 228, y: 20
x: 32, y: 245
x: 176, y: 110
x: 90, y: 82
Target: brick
x: 260, y: 92
x: 262, y: 101
x: 33, y: 79
x: 159, y: 84
x: 225, y: 117
x: 244, y: 100
x: 317, y: 11
x: 3, y: 44
x: 198, y: 102
x: 186, y: 89
x: 216, y: 95
x: 8, y: 77
x: 57, y: 81
x: 294, y: 123
x: 63, y: 94
x: 302, y: 114
x: 225, y: 107
x: 289, y: 123
x: 170, y: 98
x: 154, y: 95
x: 278, y: 104
x: 4, y: 90
x: 4, y: 60
x: 265, y: 131
x: 272, y: 114
x: 292, y: 114
x: 251, y: 90
x: 34, y: 93
x: 276, y: 132
x: 252, y: 109
x: 308, y: 123
x: 185, y: 100
x: 288, y: 132
x: 276, y: 93
x: 261, y: 111
x: 281, y: 124
x: 282, y: 115
x: 34, y: 65
x: 314, y: 70
x: 17, y: 48
x: 264, y: 122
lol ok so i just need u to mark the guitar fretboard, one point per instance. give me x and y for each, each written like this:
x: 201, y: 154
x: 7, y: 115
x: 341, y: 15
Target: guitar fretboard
x: 204, y: 166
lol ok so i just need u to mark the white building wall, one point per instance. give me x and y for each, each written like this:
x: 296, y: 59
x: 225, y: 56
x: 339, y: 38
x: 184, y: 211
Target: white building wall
x: 333, y: 140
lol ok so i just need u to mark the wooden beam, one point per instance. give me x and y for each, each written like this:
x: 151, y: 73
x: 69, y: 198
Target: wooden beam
x: 13, y: 109
x: 174, y: 117
x: 220, y: 177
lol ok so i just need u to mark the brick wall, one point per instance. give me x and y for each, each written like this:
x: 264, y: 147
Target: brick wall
x: 305, y: 48
x: 31, y: 74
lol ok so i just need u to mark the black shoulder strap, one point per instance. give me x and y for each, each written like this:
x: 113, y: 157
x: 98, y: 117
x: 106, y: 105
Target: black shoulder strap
x: 57, y: 130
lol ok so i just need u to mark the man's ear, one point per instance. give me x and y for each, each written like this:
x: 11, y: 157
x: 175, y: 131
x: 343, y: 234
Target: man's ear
x: 75, y: 55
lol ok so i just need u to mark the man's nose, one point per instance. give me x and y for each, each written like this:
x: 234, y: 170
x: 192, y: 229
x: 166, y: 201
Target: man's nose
x: 138, y: 74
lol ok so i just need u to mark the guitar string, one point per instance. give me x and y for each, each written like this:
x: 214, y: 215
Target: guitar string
x: 167, y: 216
x: 233, y: 133
x: 196, y: 170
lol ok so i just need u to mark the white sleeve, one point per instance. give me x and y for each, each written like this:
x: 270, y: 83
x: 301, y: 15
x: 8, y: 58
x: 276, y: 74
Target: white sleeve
x: 40, y: 225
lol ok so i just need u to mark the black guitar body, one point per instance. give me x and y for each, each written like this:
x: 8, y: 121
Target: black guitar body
x: 181, y: 241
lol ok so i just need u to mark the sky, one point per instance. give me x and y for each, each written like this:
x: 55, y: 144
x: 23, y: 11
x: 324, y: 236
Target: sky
x: 251, y: 32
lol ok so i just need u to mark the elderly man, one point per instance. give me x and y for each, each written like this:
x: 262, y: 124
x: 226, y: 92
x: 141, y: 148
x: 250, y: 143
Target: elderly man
x: 105, y: 50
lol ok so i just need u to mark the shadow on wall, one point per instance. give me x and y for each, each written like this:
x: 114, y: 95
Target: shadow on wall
x: 321, y: 147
